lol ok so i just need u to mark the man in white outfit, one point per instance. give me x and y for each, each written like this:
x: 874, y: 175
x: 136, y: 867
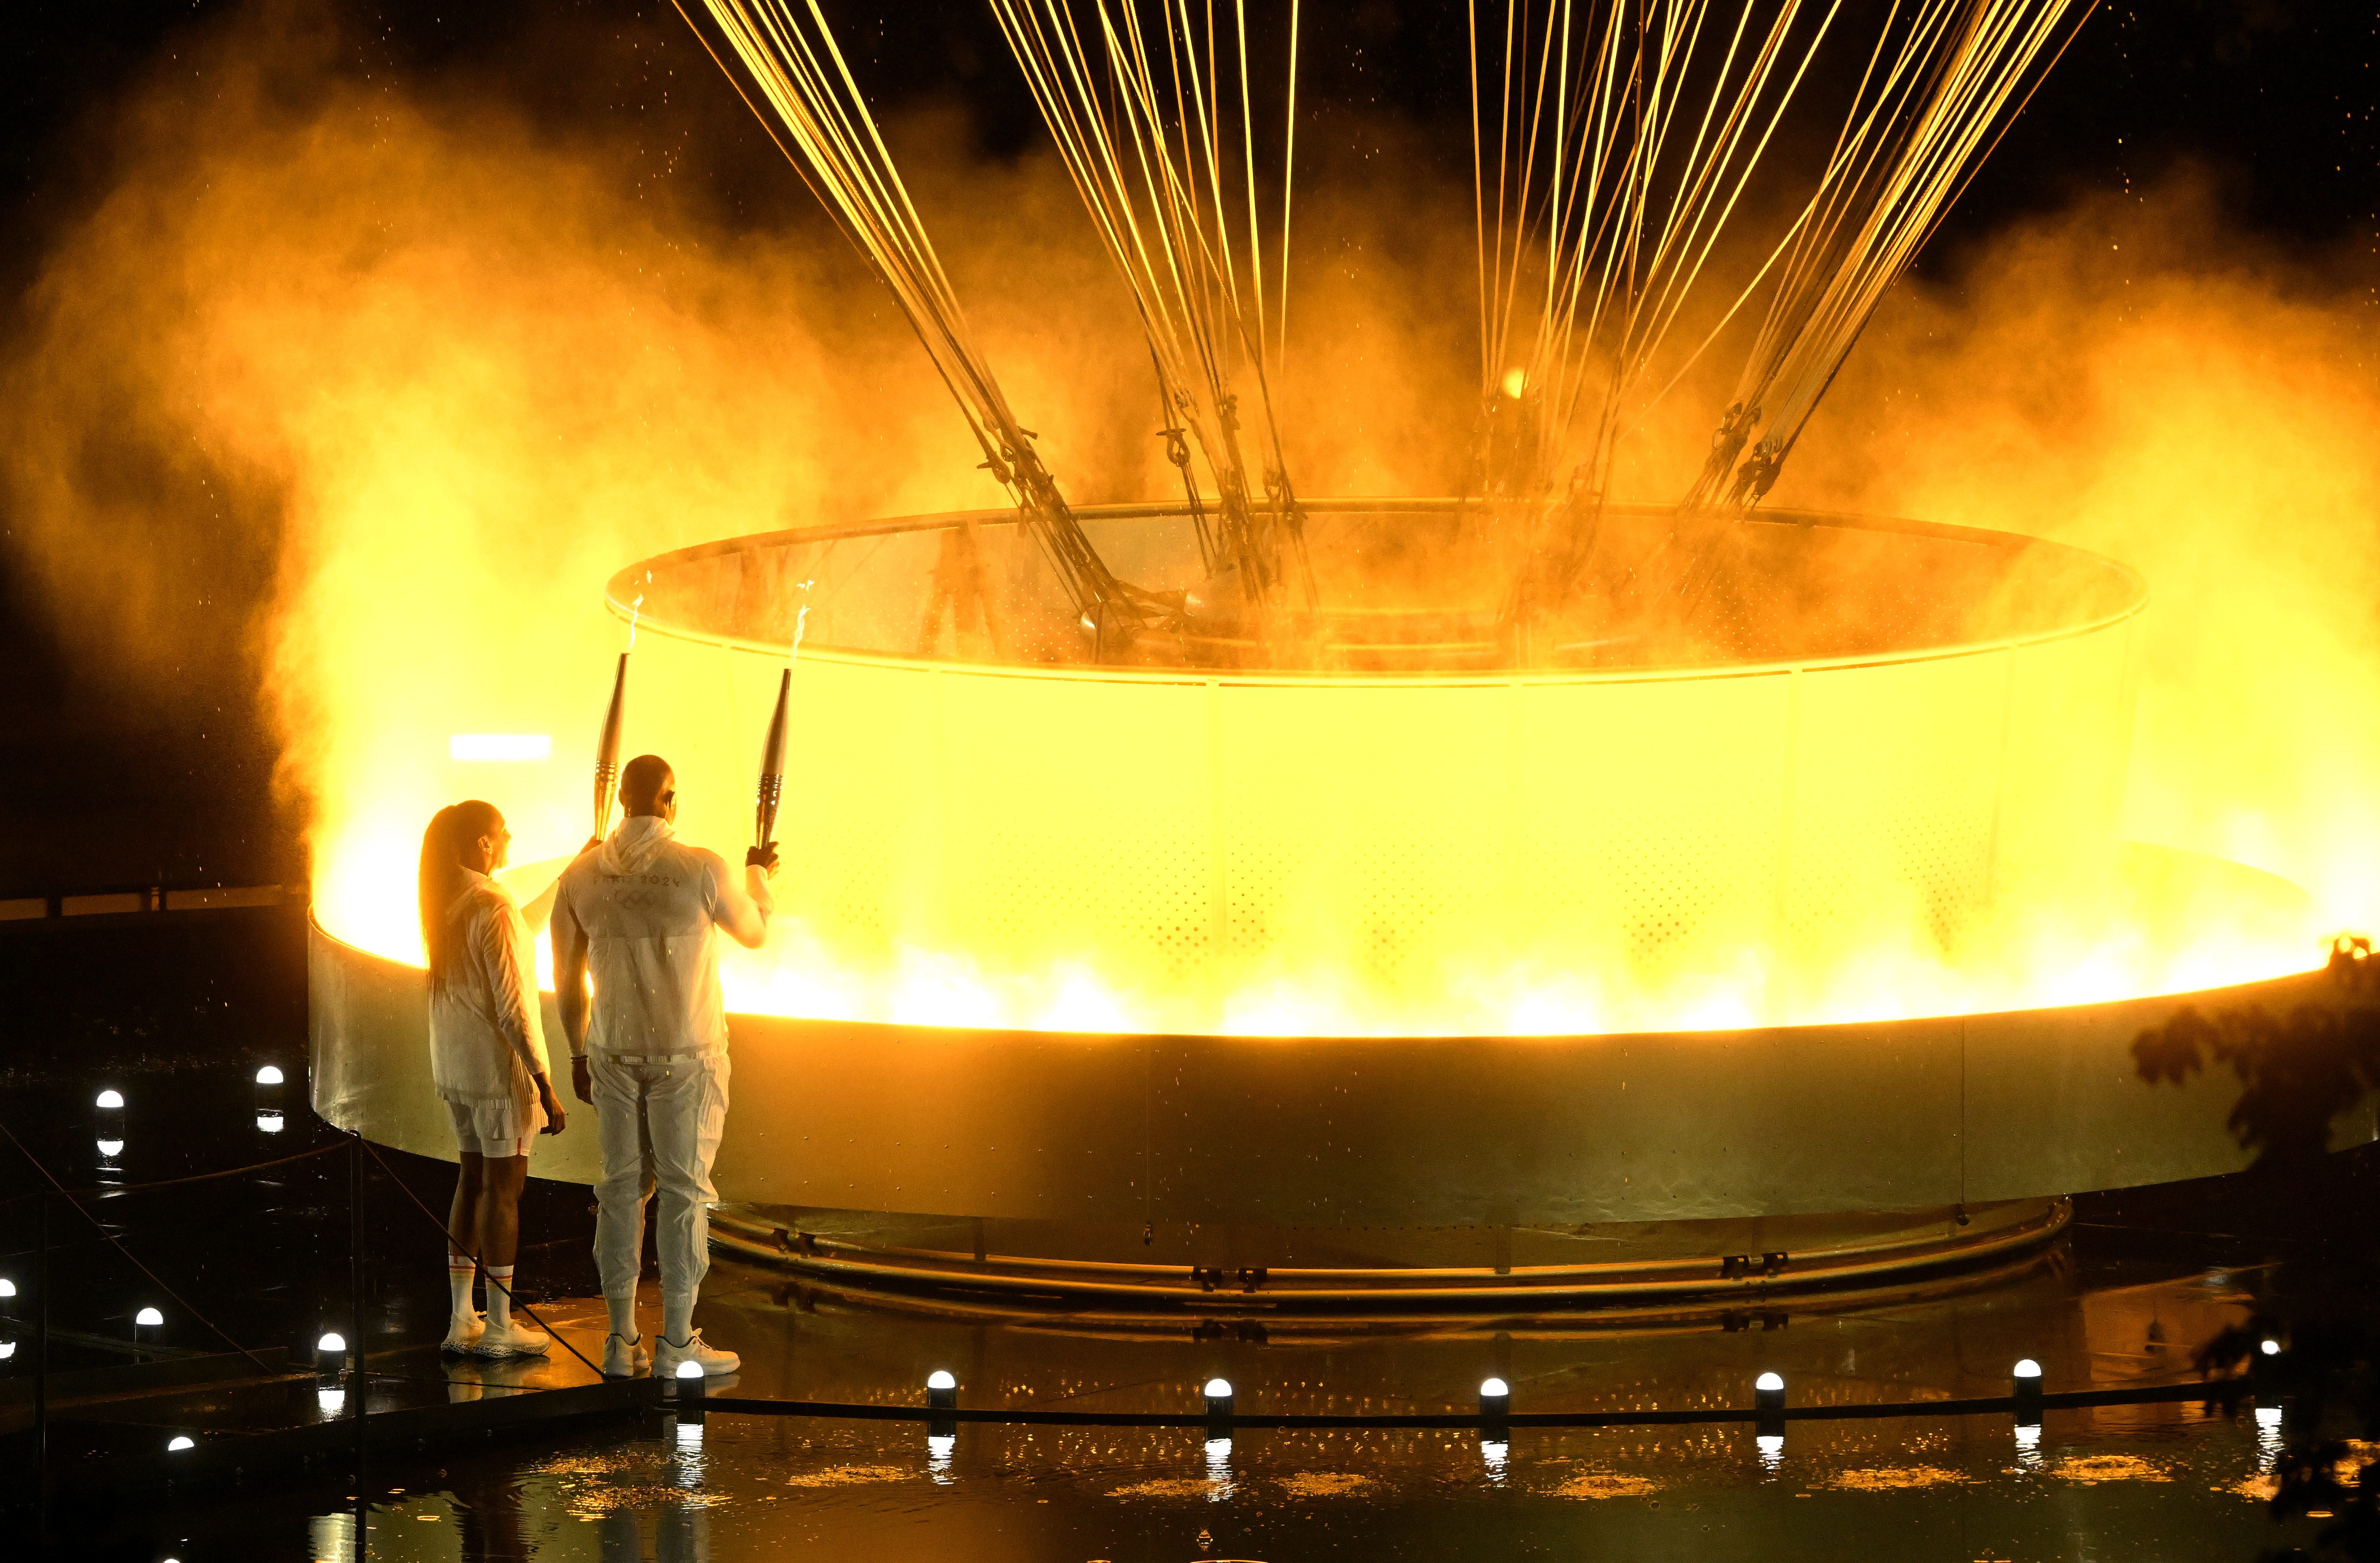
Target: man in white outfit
x: 639, y: 914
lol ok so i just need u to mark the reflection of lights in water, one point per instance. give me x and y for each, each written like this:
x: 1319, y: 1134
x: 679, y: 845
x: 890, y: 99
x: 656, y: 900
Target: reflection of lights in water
x: 269, y: 1075
x: 1772, y: 1450
x: 109, y: 1149
x: 1494, y: 1453
x: 685, y: 1436
x: 2269, y: 1436
x: 1218, y: 1468
x: 268, y: 1122
x: 180, y: 1441
x: 332, y: 1401
x: 109, y: 1101
x: 2028, y: 1447
x: 940, y: 1447
x: 7, y: 1350
x: 330, y: 1538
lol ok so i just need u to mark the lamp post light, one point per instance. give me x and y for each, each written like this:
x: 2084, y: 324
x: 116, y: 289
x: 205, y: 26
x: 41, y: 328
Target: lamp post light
x: 2025, y: 1387
x: 689, y: 1386
x: 269, y: 1116
x: 1219, y: 1407
x: 107, y: 1124
x: 2266, y: 1369
x: 941, y: 1395
x: 1768, y: 1407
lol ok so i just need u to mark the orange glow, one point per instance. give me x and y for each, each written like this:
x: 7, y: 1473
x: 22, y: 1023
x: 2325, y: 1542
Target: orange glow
x: 446, y: 376
x: 1099, y: 849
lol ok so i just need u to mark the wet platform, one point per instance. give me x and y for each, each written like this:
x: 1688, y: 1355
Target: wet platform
x: 1881, y: 1446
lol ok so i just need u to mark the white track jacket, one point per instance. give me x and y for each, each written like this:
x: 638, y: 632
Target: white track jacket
x: 486, y: 1044
x: 647, y: 905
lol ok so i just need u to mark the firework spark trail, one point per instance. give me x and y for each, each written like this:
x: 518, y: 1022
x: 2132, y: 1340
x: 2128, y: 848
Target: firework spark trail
x: 818, y: 119
x: 1151, y: 165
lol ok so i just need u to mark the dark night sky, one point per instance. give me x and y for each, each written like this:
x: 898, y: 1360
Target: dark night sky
x: 2272, y: 98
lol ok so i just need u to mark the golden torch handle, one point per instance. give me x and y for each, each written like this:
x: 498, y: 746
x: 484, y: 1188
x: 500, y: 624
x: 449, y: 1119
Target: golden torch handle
x: 607, y: 751
x: 773, y: 766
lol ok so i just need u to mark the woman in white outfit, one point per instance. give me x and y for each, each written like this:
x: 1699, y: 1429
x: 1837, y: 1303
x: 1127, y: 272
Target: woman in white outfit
x: 487, y: 1055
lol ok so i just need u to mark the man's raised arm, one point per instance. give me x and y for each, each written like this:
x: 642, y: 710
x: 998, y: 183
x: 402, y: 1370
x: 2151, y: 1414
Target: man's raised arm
x: 745, y: 913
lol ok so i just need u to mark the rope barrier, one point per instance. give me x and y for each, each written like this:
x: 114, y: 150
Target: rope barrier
x: 440, y: 1222
x: 112, y: 1189
x: 103, y: 1189
x: 1027, y: 1416
x: 73, y: 1197
x: 130, y: 1258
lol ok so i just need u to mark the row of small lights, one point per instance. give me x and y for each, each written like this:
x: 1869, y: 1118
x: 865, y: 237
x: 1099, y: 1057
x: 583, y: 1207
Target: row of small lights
x: 942, y: 1388
x: 1494, y: 1407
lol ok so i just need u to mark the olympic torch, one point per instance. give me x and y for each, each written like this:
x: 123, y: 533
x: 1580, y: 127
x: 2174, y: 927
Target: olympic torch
x: 607, y: 747
x: 607, y: 753
x: 773, y: 749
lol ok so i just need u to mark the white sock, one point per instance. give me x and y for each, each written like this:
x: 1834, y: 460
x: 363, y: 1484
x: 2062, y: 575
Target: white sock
x: 678, y: 1319
x: 624, y: 1316
x: 459, y: 1271
x: 500, y: 1296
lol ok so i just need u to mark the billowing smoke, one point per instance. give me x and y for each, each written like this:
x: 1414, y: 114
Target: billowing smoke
x: 2129, y: 377
x: 360, y: 388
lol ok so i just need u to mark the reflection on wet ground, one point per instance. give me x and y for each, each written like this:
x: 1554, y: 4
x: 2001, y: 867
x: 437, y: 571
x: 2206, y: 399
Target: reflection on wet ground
x: 2175, y: 1487
x: 2142, y: 1281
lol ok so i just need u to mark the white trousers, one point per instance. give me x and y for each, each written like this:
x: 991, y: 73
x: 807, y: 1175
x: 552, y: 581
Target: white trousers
x: 659, y: 1120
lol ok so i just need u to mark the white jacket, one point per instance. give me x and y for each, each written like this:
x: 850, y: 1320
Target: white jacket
x: 648, y: 906
x: 486, y: 1044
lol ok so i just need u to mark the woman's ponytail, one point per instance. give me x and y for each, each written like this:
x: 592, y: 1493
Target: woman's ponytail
x: 452, y: 830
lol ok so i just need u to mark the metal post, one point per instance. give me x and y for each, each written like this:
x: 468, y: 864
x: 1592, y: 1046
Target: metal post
x: 358, y: 1385
x: 42, y: 1371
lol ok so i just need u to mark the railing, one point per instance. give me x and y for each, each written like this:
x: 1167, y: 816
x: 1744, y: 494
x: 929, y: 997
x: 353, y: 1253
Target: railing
x: 137, y: 899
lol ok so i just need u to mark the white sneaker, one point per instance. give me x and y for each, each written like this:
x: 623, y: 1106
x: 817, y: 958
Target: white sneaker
x: 512, y: 1341
x: 668, y: 1354
x: 625, y: 1358
x: 463, y: 1332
